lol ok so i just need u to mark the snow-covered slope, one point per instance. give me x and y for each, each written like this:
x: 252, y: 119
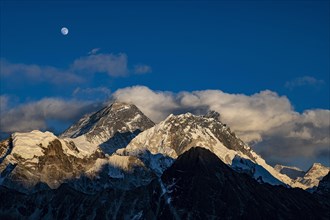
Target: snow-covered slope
x: 177, y: 134
x: 313, y: 176
x: 40, y: 157
x: 302, y: 179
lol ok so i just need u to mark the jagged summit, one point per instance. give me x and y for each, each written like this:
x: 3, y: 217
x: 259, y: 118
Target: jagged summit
x: 313, y: 176
x: 309, y: 179
x: 178, y: 133
x: 212, y: 114
x: 117, y: 117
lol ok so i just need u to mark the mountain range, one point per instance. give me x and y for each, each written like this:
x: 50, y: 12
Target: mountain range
x: 117, y: 163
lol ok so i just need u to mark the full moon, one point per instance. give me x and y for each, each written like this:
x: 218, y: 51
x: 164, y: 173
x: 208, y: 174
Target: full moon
x: 64, y: 31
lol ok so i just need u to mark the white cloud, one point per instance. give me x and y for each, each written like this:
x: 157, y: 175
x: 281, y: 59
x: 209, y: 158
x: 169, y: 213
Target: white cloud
x: 247, y: 115
x: 34, y: 115
x: 113, y: 65
x: 156, y: 105
x: 303, y: 81
x: 37, y: 73
x: 264, y: 119
x: 141, y: 69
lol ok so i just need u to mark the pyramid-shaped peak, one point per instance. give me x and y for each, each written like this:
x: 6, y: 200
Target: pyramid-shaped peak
x: 121, y: 105
x: 115, y: 117
x: 317, y: 166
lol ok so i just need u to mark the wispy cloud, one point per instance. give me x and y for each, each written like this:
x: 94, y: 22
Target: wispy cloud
x: 111, y: 64
x: 81, y: 69
x: 303, y: 81
x: 141, y: 69
x: 19, y: 71
x: 94, y: 51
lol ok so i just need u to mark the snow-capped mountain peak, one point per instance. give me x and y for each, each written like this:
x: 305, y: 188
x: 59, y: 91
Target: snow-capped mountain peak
x: 306, y: 180
x: 178, y: 133
x: 314, y: 175
x: 117, y: 117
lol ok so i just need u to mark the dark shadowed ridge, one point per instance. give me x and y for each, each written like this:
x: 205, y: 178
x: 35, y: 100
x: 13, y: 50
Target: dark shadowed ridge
x: 201, y: 186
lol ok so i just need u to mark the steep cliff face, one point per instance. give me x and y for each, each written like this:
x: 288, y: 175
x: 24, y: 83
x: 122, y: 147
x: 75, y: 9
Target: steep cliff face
x: 119, y: 120
x: 41, y: 158
x: 313, y: 175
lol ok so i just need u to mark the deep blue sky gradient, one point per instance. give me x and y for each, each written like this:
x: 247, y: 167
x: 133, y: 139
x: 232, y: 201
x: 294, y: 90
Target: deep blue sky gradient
x: 234, y: 46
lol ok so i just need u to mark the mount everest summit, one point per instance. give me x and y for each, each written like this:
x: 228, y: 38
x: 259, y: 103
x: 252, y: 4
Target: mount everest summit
x: 118, y: 152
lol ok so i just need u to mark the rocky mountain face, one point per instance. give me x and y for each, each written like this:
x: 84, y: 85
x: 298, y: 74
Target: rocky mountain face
x: 177, y: 134
x: 37, y: 160
x: 310, y: 179
x: 112, y: 127
x: 313, y: 176
x: 198, y: 185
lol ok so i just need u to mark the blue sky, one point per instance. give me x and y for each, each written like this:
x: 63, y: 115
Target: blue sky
x: 238, y: 47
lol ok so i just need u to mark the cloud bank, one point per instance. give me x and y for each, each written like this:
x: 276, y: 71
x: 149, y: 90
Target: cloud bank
x: 35, y: 115
x: 265, y: 120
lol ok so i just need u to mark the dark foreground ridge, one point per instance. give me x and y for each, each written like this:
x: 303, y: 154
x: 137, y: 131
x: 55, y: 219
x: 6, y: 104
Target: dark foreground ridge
x: 203, y: 187
x: 197, y: 186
